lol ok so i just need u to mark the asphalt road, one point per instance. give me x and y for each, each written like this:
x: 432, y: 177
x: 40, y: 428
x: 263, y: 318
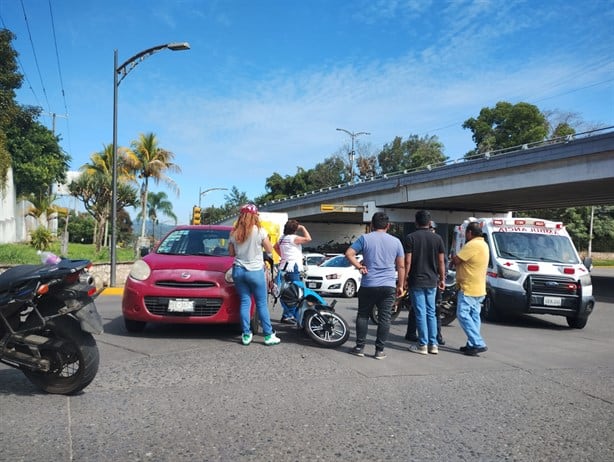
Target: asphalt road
x: 543, y: 392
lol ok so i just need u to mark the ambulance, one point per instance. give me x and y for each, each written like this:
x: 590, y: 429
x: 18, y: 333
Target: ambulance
x: 534, y: 268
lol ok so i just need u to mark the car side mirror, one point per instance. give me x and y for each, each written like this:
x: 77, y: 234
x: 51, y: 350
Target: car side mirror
x: 588, y: 262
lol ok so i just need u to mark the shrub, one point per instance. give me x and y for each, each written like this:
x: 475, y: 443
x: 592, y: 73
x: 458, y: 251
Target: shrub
x: 41, y: 238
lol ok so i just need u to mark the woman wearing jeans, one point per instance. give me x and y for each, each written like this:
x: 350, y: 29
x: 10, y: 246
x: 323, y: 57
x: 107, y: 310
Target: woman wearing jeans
x: 247, y: 239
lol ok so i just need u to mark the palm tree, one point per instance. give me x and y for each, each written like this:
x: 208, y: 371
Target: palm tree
x: 95, y: 185
x: 149, y: 161
x: 42, y: 207
x: 158, y: 204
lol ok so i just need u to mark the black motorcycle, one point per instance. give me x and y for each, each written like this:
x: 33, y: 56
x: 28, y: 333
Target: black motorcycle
x: 47, y: 318
x: 445, y: 305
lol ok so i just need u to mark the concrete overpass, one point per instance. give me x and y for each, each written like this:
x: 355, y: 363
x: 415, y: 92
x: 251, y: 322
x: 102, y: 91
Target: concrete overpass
x: 573, y: 171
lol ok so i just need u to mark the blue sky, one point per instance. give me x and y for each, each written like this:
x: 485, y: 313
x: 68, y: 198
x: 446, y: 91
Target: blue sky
x: 266, y: 83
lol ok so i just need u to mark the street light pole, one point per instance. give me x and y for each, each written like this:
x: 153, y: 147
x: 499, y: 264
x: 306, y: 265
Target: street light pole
x: 123, y: 71
x: 353, y: 135
x: 202, y: 193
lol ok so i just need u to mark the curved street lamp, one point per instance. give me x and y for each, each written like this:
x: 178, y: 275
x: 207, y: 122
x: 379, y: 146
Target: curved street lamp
x: 202, y: 193
x: 352, y: 153
x: 119, y: 73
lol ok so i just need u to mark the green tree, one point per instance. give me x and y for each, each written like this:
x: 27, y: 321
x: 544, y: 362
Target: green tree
x: 151, y: 162
x: 392, y: 157
x: 81, y: 228
x: 235, y: 199
x: 331, y: 172
x: 37, y: 160
x: 95, y: 187
x: 42, y: 208
x: 158, y: 205
x: 505, y: 126
x: 577, y: 221
x: 94, y: 191
x: 415, y: 152
x: 10, y: 80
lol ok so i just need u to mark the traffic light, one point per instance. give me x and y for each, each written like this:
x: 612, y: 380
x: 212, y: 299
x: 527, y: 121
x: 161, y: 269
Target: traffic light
x: 196, y: 215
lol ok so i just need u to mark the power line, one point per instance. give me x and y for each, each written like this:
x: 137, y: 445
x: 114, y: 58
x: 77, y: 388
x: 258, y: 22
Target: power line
x: 40, y: 76
x: 57, y: 58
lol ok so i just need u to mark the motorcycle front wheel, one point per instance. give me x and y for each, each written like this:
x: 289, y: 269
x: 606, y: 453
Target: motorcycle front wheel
x: 327, y: 329
x: 73, y: 365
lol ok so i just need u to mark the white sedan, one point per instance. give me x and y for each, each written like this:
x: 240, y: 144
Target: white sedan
x: 335, y: 276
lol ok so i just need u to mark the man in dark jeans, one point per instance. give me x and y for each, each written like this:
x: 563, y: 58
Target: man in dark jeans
x: 382, y: 255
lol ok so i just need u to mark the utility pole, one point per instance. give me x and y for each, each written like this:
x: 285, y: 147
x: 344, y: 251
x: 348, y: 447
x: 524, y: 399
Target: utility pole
x: 352, y: 152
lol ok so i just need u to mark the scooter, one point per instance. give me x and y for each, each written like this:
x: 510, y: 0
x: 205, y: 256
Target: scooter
x: 313, y: 314
x: 47, y: 318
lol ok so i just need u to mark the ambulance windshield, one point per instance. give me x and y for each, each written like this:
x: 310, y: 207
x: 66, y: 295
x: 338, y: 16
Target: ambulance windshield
x: 534, y: 247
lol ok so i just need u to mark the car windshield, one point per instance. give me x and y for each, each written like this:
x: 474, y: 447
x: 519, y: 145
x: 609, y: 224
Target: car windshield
x: 339, y: 261
x: 314, y: 259
x: 535, y: 247
x: 195, y: 242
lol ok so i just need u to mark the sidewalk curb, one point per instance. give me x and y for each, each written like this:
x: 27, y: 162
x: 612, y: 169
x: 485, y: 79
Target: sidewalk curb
x: 113, y: 291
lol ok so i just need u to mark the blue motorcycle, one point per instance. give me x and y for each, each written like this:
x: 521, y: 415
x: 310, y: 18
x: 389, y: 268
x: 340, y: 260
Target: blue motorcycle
x: 312, y: 313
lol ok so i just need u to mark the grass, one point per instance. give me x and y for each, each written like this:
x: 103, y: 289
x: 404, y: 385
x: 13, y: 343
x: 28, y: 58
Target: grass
x: 603, y: 262
x: 20, y: 254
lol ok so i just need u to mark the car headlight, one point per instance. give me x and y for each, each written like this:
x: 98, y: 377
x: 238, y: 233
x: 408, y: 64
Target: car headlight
x: 333, y: 276
x: 140, y: 270
x: 228, y: 276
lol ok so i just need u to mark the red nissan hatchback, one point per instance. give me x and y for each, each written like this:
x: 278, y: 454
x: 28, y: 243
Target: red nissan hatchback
x: 186, y: 279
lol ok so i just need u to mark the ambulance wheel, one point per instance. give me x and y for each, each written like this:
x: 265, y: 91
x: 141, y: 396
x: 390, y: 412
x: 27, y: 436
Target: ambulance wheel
x: 576, y: 323
x: 489, y: 312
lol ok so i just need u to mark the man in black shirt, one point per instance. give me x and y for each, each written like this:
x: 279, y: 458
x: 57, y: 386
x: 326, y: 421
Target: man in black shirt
x: 424, y: 274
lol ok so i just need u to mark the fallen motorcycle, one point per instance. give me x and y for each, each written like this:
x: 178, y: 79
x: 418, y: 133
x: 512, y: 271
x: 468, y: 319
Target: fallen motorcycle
x: 445, y: 304
x: 313, y: 314
x: 47, y: 318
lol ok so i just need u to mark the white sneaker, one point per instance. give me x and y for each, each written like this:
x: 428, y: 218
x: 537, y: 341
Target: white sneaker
x: 271, y: 339
x: 247, y: 338
x: 420, y: 349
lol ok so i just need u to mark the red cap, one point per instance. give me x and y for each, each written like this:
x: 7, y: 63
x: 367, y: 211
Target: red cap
x: 249, y: 208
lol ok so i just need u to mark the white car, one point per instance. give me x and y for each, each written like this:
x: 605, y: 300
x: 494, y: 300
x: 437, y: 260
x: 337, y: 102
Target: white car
x: 335, y: 276
x: 312, y: 259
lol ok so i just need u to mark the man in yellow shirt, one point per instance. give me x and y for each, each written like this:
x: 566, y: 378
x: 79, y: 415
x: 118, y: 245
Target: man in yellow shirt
x: 471, y: 263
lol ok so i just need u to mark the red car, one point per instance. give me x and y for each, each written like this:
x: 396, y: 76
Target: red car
x: 186, y: 279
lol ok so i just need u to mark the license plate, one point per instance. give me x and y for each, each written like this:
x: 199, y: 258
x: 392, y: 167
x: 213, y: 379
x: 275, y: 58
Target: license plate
x: 312, y: 285
x: 180, y: 306
x: 552, y: 301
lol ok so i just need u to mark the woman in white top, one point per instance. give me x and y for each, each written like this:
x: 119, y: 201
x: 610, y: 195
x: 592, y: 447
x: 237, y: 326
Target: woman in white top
x: 289, y: 247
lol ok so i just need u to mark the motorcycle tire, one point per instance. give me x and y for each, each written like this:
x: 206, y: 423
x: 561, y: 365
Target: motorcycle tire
x: 327, y: 328
x: 397, y: 307
x: 447, y: 314
x: 74, y: 366
x: 446, y: 307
